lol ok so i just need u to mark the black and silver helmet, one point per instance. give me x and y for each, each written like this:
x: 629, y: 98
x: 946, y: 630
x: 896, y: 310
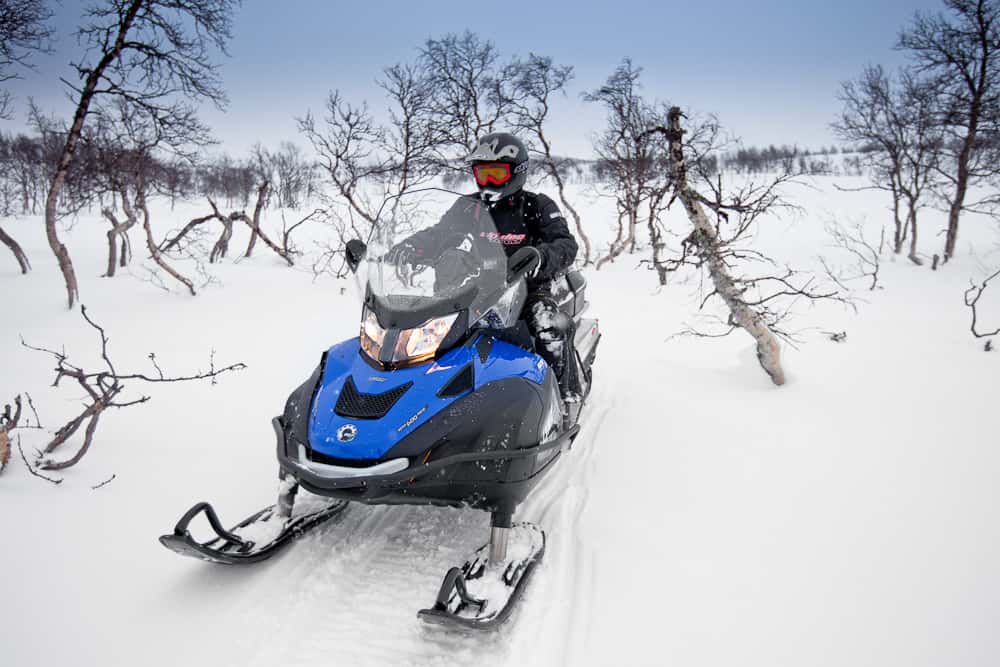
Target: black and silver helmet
x: 499, y: 165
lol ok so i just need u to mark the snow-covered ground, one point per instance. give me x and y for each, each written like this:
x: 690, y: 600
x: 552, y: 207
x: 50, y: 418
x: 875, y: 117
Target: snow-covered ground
x: 704, y: 516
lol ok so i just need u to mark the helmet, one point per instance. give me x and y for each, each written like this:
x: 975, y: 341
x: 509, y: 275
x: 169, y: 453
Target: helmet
x: 499, y: 165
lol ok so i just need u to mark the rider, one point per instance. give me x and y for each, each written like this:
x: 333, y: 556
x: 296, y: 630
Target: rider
x: 523, y: 220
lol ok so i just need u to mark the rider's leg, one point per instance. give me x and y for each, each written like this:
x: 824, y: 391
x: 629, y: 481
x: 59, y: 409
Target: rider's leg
x: 552, y: 331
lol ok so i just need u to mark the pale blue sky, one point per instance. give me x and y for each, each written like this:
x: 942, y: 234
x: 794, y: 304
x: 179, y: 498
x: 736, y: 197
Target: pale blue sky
x: 770, y: 69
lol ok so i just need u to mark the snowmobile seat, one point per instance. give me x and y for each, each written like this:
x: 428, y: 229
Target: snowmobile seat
x: 569, y: 293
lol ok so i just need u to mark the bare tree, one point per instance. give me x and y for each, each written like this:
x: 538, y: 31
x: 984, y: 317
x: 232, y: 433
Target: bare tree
x: 865, y: 253
x: 10, y: 419
x: 756, y: 303
x: 470, y: 96
x: 961, y: 53
x: 292, y: 173
x: 413, y: 136
x: 221, y: 246
x: 633, y: 159
x: 347, y: 146
x: 255, y: 228
x: 23, y: 31
x: 174, y: 241
x: 15, y: 248
x: 368, y: 163
x: 8, y: 422
x: 972, y: 296
x: 137, y: 137
x: 151, y: 55
x: 895, y: 122
x: 535, y: 81
x: 262, y: 192
x: 287, y: 246
x: 103, y: 389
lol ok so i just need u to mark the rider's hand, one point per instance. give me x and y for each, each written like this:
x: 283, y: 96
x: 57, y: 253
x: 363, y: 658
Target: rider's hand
x: 403, y: 253
x: 527, y: 261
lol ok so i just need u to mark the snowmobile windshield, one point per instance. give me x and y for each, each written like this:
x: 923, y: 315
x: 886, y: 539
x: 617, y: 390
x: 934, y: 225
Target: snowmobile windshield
x: 433, y: 255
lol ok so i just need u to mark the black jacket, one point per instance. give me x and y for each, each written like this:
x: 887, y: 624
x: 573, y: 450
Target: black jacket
x: 524, y: 218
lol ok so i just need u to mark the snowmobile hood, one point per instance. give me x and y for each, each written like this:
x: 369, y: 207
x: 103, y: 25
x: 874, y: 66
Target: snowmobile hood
x: 361, y: 413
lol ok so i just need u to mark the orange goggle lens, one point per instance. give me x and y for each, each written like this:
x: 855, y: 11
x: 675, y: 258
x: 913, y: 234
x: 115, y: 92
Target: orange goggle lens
x: 495, y: 173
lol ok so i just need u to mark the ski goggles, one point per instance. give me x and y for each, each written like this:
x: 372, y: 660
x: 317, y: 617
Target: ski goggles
x: 491, y: 173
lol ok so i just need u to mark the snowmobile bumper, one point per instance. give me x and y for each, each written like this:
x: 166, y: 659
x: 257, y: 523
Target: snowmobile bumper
x: 438, y: 482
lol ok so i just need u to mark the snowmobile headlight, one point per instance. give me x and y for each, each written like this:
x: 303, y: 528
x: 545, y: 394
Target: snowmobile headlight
x: 420, y: 344
x: 372, y: 335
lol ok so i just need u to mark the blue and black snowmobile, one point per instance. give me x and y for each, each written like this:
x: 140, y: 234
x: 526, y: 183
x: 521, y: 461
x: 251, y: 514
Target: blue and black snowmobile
x: 439, y: 401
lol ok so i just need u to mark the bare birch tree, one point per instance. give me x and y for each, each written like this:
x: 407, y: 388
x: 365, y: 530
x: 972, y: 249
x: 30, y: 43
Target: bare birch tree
x: 369, y: 163
x: 470, y: 96
x: 972, y: 297
x: 960, y: 52
x: 759, y: 302
x: 894, y: 121
x: 153, y: 55
x: 22, y: 259
x: 633, y: 160
x: 23, y: 32
x: 535, y: 82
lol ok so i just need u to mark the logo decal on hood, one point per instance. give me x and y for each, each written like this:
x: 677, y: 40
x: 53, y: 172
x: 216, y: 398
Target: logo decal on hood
x: 409, y: 422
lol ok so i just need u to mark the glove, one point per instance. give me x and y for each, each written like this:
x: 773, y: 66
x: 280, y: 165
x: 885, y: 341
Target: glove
x: 402, y: 253
x: 525, y: 262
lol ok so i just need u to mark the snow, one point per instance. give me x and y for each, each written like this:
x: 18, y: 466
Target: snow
x: 703, y: 516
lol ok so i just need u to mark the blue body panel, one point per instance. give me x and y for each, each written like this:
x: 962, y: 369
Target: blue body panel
x: 375, y: 437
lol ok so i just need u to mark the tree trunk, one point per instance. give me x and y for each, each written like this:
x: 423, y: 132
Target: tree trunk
x: 69, y: 148
x: 561, y: 188
x: 255, y: 227
x: 88, y: 439
x: 962, y: 177
x: 154, y: 251
x: 707, y: 242
x: 126, y: 254
x: 116, y: 233
x: 58, y: 249
x: 112, y: 253
x: 912, y: 224
x: 616, y: 245
x: 899, y: 235
x: 22, y: 259
x: 167, y: 245
x: 955, y: 210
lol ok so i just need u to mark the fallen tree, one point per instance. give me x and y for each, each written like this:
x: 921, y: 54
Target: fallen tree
x: 103, y: 389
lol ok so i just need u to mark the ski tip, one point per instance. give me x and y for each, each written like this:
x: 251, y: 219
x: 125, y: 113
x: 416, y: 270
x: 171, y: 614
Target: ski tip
x: 448, y: 620
x: 181, y: 546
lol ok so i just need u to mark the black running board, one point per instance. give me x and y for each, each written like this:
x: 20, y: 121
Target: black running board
x: 228, y: 548
x: 457, y: 607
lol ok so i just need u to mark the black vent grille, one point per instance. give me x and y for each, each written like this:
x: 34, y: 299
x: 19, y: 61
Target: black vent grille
x: 352, y: 403
x: 461, y: 383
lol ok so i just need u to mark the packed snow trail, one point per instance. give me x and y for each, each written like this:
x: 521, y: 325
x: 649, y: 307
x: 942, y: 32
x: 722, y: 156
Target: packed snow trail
x: 350, y: 590
x: 703, y: 517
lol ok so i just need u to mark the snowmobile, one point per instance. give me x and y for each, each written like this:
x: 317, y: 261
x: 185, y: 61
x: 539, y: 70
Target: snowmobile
x: 440, y: 400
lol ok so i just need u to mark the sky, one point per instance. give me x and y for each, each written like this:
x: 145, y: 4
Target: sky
x: 770, y: 69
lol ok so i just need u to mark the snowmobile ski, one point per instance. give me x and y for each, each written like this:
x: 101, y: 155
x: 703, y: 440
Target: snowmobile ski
x: 230, y: 548
x: 481, y: 594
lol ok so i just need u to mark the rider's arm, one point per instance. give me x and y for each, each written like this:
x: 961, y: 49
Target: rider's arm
x: 427, y: 244
x: 556, y: 244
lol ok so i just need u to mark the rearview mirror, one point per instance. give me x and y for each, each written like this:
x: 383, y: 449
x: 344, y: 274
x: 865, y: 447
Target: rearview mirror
x: 355, y: 252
